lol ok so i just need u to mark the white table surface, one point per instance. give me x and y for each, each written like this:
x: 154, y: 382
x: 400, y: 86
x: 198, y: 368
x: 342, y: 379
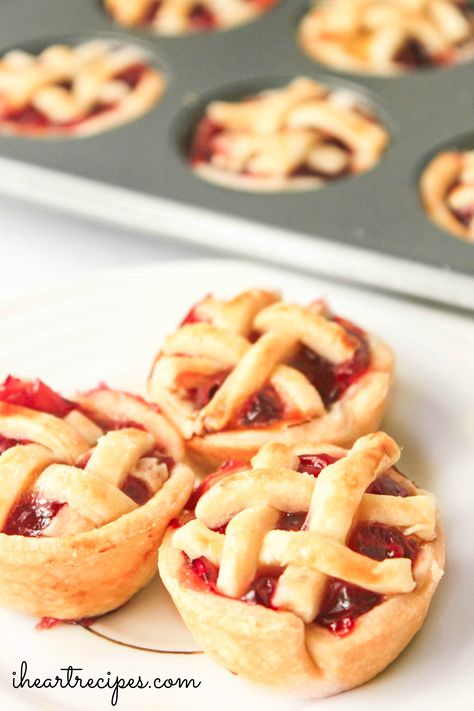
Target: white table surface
x: 39, y: 247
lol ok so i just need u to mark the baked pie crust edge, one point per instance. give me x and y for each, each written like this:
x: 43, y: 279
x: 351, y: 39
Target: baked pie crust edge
x: 89, y: 574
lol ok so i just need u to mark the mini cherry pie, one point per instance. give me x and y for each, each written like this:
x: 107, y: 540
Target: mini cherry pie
x: 177, y: 17
x: 447, y: 191
x: 242, y: 372
x: 388, y: 36
x: 80, y: 525
x: 75, y: 91
x: 295, y: 137
x: 309, y: 571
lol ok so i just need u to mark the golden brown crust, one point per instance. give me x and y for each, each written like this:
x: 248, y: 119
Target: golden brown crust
x: 90, y: 68
x: 295, y: 137
x: 201, y: 350
x: 370, y: 36
x: 284, y: 647
x: 174, y: 18
x: 22, y: 423
x: 441, y: 179
x: 357, y: 413
x: 275, y: 647
x: 91, y: 573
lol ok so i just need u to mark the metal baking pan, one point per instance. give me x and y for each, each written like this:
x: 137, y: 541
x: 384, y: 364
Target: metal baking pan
x: 369, y: 229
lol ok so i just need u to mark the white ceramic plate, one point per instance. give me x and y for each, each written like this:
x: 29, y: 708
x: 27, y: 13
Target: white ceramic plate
x: 108, y: 326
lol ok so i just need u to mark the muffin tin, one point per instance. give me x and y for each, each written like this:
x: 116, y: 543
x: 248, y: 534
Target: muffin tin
x: 370, y: 228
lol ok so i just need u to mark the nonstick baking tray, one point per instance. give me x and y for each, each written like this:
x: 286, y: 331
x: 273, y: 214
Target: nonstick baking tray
x: 370, y: 228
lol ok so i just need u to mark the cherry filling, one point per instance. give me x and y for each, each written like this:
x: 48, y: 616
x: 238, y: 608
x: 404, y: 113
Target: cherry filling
x: 378, y: 541
x: 205, y: 571
x: 193, y: 316
x: 386, y: 486
x: 291, y: 521
x: 7, y: 443
x: 201, y: 18
x: 32, y: 514
x: 32, y: 118
x: 202, y: 144
x: 262, y: 589
x: 205, y: 391
x: 343, y: 603
x: 412, y: 54
x: 35, y: 395
x: 132, y: 76
x: 329, y: 379
x: 314, y: 463
x: 262, y: 408
x: 137, y: 489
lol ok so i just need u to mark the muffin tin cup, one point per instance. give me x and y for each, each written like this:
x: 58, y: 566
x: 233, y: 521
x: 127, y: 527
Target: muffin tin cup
x: 370, y: 228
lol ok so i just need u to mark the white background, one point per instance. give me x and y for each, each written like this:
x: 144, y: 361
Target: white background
x: 40, y: 247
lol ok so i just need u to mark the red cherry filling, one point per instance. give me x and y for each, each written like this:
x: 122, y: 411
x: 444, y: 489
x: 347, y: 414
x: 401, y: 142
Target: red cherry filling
x: 132, y: 76
x: 201, y: 18
x: 193, y: 316
x: 35, y: 395
x: 206, y: 572
x: 32, y: 118
x: 205, y: 391
x: 329, y: 379
x: 378, y: 541
x: 386, y: 486
x: 202, y: 148
x: 32, y: 514
x: 343, y: 604
x: 262, y: 589
x: 137, y: 489
x: 6, y: 443
x: 262, y: 408
x: 291, y: 521
x: 314, y: 463
x: 226, y: 469
x: 412, y: 54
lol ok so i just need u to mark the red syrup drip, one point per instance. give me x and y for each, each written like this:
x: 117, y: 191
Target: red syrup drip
x: 47, y: 623
x: 201, y: 18
x: 32, y: 514
x: 35, y: 395
x: 261, y: 409
x: 226, y: 469
x: 201, y: 150
x: 329, y: 379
